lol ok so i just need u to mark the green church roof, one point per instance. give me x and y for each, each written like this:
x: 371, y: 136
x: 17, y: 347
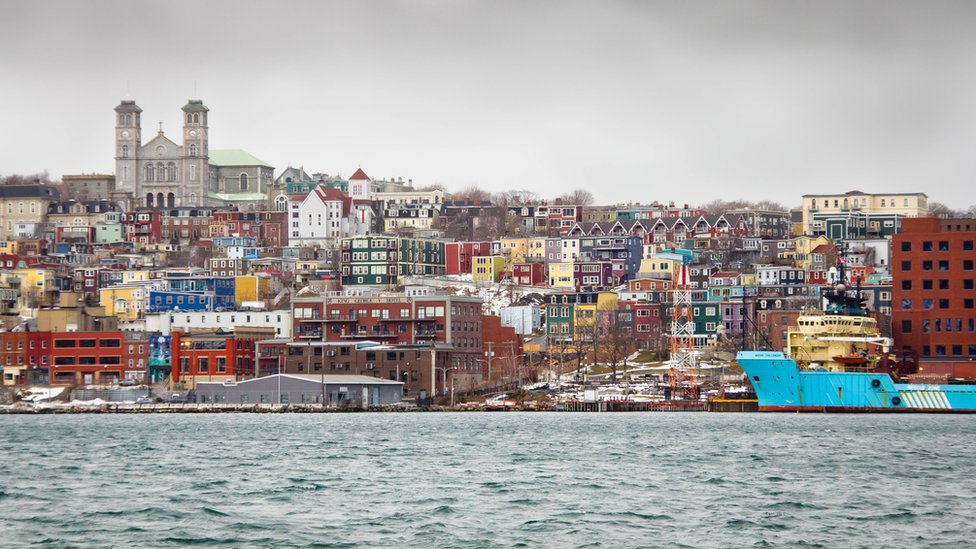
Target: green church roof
x: 235, y: 157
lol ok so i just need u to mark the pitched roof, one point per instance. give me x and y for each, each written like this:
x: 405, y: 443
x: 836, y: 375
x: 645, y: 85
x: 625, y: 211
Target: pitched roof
x: 235, y: 157
x: 29, y: 191
x: 331, y: 194
x: 359, y: 175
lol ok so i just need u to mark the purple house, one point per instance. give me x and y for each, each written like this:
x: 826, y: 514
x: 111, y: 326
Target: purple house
x: 595, y: 275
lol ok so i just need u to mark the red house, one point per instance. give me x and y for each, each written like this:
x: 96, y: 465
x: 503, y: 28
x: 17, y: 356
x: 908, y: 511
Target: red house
x: 529, y: 274
x: 459, y: 255
x: 143, y: 227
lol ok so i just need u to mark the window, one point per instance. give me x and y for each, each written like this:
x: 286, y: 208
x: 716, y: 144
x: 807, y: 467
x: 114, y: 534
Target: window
x: 203, y: 365
x: 926, y: 265
x: 967, y: 265
x: 926, y: 284
x: 967, y: 245
x: 967, y: 284
x: 927, y: 304
x: 926, y: 246
x: 943, y: 284
x: 943, y: 303
x: 944, y: 265
x: 906, y: 326
x: 906, y: 246
x: 243, y: 181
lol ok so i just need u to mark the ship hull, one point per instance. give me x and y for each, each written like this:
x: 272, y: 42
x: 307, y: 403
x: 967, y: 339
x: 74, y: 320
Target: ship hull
x: 782, y: 387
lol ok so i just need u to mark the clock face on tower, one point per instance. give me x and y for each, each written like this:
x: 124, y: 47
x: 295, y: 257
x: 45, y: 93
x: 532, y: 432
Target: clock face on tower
x: 193, y: 133
x: 125, y: 133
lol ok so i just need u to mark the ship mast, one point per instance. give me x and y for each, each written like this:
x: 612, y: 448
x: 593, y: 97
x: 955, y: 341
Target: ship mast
x: 683, y: 375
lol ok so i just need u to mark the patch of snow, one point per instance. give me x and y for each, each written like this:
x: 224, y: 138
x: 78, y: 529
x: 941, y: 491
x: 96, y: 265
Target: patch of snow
x: 39, y: 394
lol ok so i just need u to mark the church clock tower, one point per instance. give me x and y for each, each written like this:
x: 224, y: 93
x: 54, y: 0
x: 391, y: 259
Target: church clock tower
x: 196, y: 165
x: 128, y: 137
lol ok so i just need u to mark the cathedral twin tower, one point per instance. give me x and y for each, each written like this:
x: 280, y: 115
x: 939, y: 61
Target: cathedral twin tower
x: 161, y: 173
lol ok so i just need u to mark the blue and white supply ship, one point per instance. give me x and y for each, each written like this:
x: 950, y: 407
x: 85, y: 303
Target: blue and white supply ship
x: 837, y: 361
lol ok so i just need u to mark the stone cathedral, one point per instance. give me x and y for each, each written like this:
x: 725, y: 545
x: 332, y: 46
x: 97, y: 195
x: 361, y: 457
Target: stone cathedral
x: 163, y: 174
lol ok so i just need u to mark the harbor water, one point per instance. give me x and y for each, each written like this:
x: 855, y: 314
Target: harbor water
x: 488, y: 480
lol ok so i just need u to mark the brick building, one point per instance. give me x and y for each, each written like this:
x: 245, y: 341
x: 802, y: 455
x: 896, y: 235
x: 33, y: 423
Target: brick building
x: 214, y: 356
x: 933, y: 293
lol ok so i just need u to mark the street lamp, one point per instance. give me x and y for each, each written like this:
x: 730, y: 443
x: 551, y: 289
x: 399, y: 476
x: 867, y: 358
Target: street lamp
x: 445, y: 369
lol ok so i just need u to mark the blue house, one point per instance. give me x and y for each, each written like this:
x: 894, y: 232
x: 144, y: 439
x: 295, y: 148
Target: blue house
x: 168, y: 301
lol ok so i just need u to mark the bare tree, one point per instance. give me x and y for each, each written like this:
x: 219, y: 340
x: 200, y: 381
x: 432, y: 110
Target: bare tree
x: 938, y: 209
x: 42, y: 178
x: 615, y: 339
x: 582, y: 338
x: 579, y: 197
x: 473, y: 193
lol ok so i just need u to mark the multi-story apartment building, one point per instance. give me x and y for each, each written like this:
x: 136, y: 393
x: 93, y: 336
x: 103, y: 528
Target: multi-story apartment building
x: 24, y: 203
x: 934, y: 293
x: 451, y: 323
x: 384, y: 260
x: 855, y: 214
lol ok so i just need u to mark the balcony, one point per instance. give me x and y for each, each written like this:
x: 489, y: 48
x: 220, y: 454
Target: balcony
x: 425, y: 333
x: 351, y: 318
x: 407, y: 319
x: 368, y: 335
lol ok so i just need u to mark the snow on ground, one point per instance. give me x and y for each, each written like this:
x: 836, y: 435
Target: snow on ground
x: 494, y: 297
x: 39, y: 394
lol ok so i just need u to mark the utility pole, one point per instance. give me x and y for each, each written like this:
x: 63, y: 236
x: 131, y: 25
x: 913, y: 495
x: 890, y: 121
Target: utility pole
x: 490, y: 355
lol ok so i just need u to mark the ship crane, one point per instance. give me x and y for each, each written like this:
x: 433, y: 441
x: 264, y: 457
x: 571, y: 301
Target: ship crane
x: 683, y: 375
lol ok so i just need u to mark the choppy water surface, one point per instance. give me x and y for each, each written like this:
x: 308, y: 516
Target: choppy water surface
x: 488, y: 480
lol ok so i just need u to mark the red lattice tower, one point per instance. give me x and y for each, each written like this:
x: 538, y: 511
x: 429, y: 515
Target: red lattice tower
x: 683, y: 375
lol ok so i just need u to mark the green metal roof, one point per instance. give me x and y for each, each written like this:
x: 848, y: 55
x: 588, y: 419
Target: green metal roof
x: 235, y: 157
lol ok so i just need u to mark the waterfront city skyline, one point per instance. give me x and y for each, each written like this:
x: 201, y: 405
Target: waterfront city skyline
x: 637, y: 102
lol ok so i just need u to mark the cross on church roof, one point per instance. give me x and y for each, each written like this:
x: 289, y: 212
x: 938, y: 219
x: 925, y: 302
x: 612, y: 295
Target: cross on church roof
x: 160, y: 126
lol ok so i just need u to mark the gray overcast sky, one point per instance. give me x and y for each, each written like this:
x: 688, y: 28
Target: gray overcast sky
x: 636, y: 101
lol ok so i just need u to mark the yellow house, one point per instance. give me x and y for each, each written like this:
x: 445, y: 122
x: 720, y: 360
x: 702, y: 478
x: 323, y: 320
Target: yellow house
x: 487, y: 268
x: 658, y: 266
x: 125, y: 302
x: 747, y: 279
x: 514, y: 250
x: 251, y: 288
x: 134, y: 276
x: 536, y: 249
x: 35, y: 285
x: 803, y: 246
x: 561, y: 275
x: 586, y: 313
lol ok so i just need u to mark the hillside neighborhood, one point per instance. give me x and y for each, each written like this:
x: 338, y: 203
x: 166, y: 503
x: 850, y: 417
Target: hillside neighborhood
x: 190, y: 266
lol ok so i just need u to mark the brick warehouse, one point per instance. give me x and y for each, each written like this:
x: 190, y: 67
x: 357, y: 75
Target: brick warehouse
x: 933, y: 295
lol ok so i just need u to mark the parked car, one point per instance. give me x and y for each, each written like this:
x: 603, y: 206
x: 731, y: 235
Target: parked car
x: 128, y: 383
